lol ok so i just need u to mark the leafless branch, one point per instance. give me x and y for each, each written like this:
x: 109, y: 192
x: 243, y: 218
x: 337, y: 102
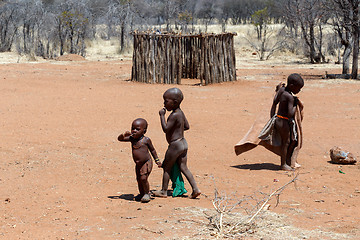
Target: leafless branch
x: 229, y: 223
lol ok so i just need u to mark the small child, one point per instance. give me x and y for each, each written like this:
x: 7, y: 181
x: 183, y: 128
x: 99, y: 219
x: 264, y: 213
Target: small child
x: 141, y: 145
x: 177, y: 150
x: 284, y: 123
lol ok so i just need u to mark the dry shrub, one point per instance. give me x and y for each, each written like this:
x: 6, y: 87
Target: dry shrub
x: 235, y: 216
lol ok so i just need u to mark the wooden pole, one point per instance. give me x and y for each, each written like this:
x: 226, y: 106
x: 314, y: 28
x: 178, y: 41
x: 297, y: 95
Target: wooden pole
x: 167, y: 58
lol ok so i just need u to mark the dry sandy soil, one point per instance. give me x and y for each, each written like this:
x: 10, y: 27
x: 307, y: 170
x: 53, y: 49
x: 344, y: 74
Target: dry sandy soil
x: 64, y: 175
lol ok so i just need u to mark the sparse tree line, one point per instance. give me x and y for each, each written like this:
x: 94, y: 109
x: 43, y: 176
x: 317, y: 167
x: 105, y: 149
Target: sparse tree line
x: 49, y: 28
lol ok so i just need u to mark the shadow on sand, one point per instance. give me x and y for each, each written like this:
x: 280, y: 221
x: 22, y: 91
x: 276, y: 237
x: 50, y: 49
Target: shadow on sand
x: 129, y: 197
x: 331, y: 162
x: 258, y: 166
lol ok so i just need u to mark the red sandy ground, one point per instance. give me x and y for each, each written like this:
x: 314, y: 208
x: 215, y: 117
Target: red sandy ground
x: 64, y: 175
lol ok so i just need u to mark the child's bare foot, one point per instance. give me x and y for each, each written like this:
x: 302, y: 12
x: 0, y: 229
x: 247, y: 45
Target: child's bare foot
x: 286, y: 167
x: 160, y: 193
x: 195, y: 194
x: 145, y: 198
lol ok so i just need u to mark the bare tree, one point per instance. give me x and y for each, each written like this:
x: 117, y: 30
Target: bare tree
x: 341, y: 23
x: 30, y: 25
x: 72, y: 24
x: 185, y: 18
x: 240, y: 11
x: 268, y: 38
x: 170, y: 10
x: 206, y: 10
x: 310, y: 16
x: 188, y: 9
x: 345, y: 20
x: 8, y: 25
x: 234, y: 10
x: 48, y: 43
x: 123, y: 9
x: 354, y: 9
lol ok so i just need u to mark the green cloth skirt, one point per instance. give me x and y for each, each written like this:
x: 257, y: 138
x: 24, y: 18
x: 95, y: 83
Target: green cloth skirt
x: 177, y: 181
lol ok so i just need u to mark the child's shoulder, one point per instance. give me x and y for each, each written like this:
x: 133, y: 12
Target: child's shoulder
x: 146, y: 140
x: 177, y: 113
x: 286, y: 95
x: 281, y: 90
x: 280, y: 87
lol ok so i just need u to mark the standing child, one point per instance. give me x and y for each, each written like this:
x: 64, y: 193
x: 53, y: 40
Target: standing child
x: 282, y: 134
x: 174, y: 129
x: 283, y: 122
x: 141, y: 145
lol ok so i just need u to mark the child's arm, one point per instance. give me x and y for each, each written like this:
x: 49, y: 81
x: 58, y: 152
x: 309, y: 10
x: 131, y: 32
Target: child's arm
x: 273, y: 107
x: 276, y: 101
x: 153, y: 152
x: 301, y: 107
x: 124, y: 137
x: 186, y: 123
x: 292, y: 101
x: 300, y: 104
x: 170, y: 123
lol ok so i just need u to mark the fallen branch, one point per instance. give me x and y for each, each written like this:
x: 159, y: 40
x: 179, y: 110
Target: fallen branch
x: 277, y: 192
x: 148, y: 230
x: 228, y: 224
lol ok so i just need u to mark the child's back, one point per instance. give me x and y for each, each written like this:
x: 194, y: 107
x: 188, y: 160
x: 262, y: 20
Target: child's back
x: 286, y: 103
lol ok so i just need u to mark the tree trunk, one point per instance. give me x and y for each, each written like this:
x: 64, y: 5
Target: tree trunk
x: 71, y: 37
x: 122, y: 36
x: 312, y: 43
x: 346, y: 59
x: 356, y: 34
x: 354, y: 71
x: 61, y: 39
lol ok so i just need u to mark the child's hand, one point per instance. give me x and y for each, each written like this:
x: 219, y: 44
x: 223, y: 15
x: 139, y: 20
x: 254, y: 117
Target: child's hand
x: 124, y: 135
x: 121, y: 137
x: 157, y: 161
x: 162, y: 112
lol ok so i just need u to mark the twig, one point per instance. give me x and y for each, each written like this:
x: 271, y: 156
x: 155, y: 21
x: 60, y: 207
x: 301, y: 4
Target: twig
x: 157, y: 232
x: 278, y: 192
x: 224, y: 204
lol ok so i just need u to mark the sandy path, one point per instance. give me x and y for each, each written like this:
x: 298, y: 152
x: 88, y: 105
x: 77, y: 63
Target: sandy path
x: 63, y: 175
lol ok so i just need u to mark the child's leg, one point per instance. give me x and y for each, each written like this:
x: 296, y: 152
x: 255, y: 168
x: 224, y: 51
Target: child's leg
x: 145, y: 186
x: 283, y: 127
x: 172, y: 153
x: 182, y: 160
x: 290, y: 158
x: 141, y: 191
x: 169, y: 161
x: 138, y: 179
x: 143, y: 180
x: 142, y: 174
x: 289, y: 153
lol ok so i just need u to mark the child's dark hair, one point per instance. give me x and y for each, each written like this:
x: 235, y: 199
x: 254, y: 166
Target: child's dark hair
x: 143, y: 121
x: 178, y: 95
x: 295, y: 79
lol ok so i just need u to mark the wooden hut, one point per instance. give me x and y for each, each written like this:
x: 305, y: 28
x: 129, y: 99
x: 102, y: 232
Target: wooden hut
x: 166, y: 58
